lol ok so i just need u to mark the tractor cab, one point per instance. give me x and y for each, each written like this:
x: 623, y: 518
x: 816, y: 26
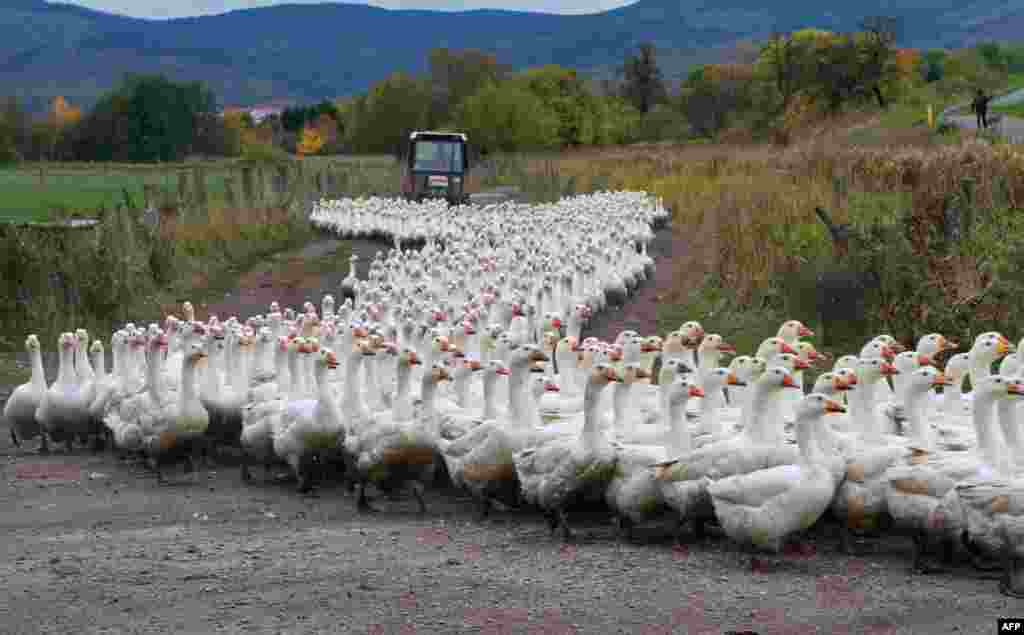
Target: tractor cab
x: 435, y: 166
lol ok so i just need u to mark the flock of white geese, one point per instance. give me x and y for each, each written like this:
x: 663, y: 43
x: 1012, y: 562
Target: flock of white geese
x: 465, y: 357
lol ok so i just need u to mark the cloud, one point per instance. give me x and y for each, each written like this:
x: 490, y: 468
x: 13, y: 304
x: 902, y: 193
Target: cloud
x: 163, y: 9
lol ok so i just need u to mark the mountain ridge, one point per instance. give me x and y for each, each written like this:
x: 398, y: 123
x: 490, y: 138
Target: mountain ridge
x: 307, y: 52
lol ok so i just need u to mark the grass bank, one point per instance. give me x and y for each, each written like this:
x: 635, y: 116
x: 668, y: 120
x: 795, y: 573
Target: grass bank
x: 938, y: 244
x: 136, y: 266
x: 48, y: 191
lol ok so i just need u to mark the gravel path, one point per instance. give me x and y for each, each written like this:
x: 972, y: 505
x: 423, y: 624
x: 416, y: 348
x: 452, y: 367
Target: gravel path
x: 100, y: 547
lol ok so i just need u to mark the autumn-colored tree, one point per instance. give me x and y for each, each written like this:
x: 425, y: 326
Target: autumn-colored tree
x: 62, y: 116
x: 908, y: 62
x: 310, y: 141
x: 327, y: 127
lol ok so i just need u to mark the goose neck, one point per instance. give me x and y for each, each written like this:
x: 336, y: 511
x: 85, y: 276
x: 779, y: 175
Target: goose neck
x: 38, y: 375
x: 862, y: 403
x: 758, y: 427
x: 589, y: 434
x: 1011, y: 434
x: 920, y: 430
x: 515, y: 394
x: 982, y: 419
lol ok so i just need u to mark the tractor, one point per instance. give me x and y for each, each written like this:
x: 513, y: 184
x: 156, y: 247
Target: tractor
x: 435, y: 165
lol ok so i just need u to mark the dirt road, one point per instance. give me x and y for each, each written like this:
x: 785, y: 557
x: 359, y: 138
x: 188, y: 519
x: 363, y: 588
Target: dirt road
x: 100, y: 547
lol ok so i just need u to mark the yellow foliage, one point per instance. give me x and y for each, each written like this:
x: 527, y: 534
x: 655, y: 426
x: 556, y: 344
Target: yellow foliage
x: 907, y: 62
x: 735, y: 72
x: 311, y: 140
x: 235, y: 119
x: 63, y: 113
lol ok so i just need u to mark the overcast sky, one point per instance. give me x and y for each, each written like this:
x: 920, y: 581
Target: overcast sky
x: 181, y: 8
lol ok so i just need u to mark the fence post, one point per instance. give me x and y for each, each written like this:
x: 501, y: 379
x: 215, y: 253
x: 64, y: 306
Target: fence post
x: 182, y: 188
x: 248, y: 191
x: 229, y: 192
x: 199, y: 182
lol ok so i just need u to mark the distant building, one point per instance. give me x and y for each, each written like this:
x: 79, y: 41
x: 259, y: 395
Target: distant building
x: 259, y: 112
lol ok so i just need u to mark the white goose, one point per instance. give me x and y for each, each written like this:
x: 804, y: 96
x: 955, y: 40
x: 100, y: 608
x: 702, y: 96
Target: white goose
x: 175, y: 431
x: 764, y: 508
x: 63, y: 409
x: 634, y: 494
x: 309, y: 430
x: 760, y: 445
x: 555, y: 472
x: 21, y: 406
x: 921, y: 493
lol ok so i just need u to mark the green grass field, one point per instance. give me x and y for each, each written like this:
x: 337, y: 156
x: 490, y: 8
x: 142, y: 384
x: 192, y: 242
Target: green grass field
x: 43, y: 192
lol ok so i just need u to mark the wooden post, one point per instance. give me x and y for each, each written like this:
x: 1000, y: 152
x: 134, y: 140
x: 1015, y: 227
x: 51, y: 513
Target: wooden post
x: 229, y: 192
x: 199, y: 182
x: 248, y: 190
x: 182, y: 188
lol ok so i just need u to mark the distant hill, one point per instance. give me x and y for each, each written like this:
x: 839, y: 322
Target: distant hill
x: 309, y: 52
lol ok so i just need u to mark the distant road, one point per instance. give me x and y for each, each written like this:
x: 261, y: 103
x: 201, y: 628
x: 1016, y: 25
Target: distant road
x: 1010, y: 127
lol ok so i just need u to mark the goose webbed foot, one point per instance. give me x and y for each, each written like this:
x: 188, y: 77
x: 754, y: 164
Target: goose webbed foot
x: 417, y: 492
x: 1012, y: 583
x: 363, y: 504
x: 563, y: 522
x: 624, y: 527
x: 846, y: 540
x: 921, y: 565
x: 979, y: 560
x: 484, y: 509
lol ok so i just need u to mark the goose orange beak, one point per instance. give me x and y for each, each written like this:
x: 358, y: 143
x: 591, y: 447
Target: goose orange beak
x: 924, y: 360
x: 803, y: 331
x: 551, y: 387
x: 612, y: 375
x: 942, y: 380
x: 888, y: 353
x: 789, y: 382
x: 852, y: 380
x: 696, y: 391
x: 889, y: 370
x: 733, y: 380
x: 643, y: 374
x: 786, y: 348
x: 557, y: 323
x: 839, y: 384
x: 834, y: 406
x: 1015, y: 388
x: 504, y: 370
x: 801, y: 364
x: 725, y: 347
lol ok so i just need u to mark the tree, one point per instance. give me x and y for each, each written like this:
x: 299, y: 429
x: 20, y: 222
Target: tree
x: 643, y: 81
x: 15, y: 130
x: 455, y: 75
x: 310, y: 141
x: 391, y: 109
x: 784, y: 62
x: 62, y: 116
x: 507, y: 117
x: 148, y: 118
x: 877, y: 46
